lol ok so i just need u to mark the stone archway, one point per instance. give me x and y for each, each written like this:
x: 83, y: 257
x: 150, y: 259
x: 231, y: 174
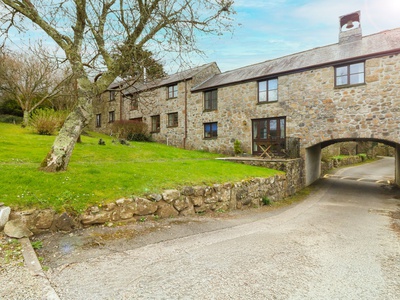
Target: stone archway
x: 313, y: 157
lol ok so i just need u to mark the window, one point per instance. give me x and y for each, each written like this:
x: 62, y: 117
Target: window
x: 155, y: 123
x: 210, y: 130
x: 268, y: 90
x: 137, y: 120
x: 269, y: 129
x: 173, y: 120
x: 134, y: 104
x: 350, y: 74
x: 172, y: 91
x: 210, y: 100
x: 112, y: 95
x: 269, y: 132
x: 98, y: 120
x: 111, y: 116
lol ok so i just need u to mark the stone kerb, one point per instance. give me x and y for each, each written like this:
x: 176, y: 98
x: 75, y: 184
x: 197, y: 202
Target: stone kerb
x: 170, y: 203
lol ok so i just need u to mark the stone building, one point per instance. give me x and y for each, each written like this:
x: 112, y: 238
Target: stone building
x: 348, y: 91
x: 161, y: 104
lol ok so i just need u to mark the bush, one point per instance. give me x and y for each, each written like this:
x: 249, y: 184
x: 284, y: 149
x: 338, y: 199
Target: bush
x: 11, y: 107
x: 47, y: 121
x: 363, y: 156
x: 132, y: 131
x: 237, y: 147
x: 10, y: 119
x: 265, y: 201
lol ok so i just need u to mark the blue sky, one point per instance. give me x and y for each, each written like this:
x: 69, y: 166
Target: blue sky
x: 273, y: 28
x: 267, y: 29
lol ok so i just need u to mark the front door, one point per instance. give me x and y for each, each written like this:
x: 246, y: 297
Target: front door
x: 271, y: 132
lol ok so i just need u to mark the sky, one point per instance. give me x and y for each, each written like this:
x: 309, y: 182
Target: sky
x: 268, y: 29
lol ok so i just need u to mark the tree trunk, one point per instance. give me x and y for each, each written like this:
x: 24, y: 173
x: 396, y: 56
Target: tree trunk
x: 58, y: 157
x: 25, y: 120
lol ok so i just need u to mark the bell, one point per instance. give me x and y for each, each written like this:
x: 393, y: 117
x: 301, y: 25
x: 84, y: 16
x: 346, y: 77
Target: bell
x: 349, y: 24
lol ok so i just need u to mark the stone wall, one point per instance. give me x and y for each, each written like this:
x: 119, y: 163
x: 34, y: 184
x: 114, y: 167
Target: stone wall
x: 334, y: 163
x: 169, y: 203
x: 293, y: 168
x: 156, y: 102
x: 331, y: 150
x: 383, y: 150
x: 316, y: 111
x: 103, y: 106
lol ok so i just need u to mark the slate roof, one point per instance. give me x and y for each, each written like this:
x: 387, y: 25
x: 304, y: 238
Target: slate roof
x: 371, y: 45
x: 167, y: 80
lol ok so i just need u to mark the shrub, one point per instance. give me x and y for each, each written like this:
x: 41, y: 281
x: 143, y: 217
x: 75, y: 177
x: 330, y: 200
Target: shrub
x: 131, y: 131
x: 47, y: 121
x: 237, y: 147
x: 363, y: 156
x: 10, y: 119
x: 11, y: 107
x: 266, y: 201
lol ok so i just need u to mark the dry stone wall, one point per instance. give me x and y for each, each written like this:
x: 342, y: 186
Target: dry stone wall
x: 293, y: 168
x: 333, y: 163
x: 188, y: 201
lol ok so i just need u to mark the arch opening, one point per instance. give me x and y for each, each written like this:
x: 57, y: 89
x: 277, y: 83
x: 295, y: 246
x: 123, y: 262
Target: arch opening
x: 313, y: 156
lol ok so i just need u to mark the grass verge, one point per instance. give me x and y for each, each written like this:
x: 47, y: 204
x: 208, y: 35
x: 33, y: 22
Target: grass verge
x: 100, y: 174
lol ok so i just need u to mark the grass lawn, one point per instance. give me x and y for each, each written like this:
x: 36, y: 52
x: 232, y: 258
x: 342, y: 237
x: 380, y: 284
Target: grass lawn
x: 99, y: 174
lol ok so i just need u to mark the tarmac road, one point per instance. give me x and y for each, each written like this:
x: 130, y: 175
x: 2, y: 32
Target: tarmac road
x: 337, y: 244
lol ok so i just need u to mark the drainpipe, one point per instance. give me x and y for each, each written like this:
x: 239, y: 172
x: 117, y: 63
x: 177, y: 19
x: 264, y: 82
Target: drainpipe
x: 121, y: 102
x: 186, y: 118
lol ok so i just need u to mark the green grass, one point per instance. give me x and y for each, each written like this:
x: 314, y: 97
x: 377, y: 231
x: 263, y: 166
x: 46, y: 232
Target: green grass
x: 100, y: 174
x: 340, y: 157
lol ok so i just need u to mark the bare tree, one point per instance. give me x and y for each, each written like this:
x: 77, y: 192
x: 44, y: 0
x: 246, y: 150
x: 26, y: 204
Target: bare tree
x: 30, y: 79
x: 101, y: 35
x: 67, y: 97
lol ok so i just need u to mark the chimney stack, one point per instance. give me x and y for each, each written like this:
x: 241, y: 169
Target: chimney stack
x: 350, y: 28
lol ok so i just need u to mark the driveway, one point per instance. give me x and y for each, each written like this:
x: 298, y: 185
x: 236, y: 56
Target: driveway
x: 339, y: 243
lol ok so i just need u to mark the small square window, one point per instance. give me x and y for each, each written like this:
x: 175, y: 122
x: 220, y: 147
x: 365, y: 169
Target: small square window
x: 268, y: 90
x: 172, y: 91
x: 155, y: 123
x: 173, y: 120
x: 210, y: 130
x: 351, y: 74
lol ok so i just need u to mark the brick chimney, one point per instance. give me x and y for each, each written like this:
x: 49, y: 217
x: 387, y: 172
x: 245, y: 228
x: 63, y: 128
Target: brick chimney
x: 350, y: 28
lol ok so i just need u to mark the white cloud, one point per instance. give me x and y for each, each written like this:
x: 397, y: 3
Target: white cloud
x: 272, y: 29
x: 375, y: 15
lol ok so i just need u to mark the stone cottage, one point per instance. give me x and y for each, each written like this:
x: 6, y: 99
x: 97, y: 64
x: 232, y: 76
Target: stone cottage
x: 161, y: 104
x: 348, y: 91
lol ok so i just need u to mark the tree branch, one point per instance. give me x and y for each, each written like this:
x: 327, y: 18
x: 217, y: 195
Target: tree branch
x: 26, y: 9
